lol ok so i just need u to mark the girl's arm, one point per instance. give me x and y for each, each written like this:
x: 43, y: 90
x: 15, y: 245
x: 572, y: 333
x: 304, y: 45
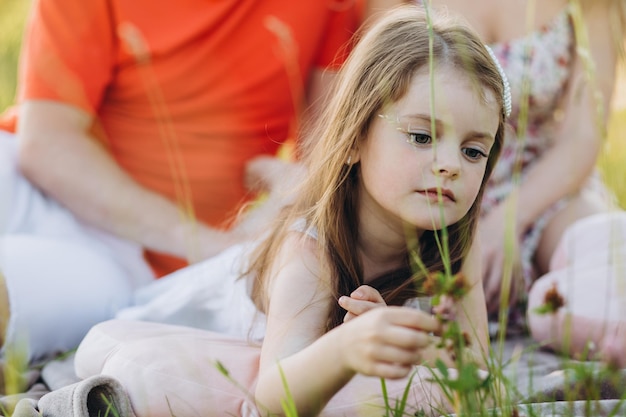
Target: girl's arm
x: 298, y: 304
x: 472, y: 311
x: 316, y: 365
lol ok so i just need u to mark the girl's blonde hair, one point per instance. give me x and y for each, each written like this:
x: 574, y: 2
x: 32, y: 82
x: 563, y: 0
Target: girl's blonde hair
x: 377, y: 73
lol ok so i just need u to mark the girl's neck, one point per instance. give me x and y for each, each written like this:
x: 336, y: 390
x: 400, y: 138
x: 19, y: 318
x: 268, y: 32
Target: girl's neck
x: 382, y: 249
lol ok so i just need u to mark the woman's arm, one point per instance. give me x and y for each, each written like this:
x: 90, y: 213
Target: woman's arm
x: 564, y: 168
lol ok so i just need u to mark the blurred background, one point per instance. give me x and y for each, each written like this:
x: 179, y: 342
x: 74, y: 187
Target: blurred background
x: 612, y: 161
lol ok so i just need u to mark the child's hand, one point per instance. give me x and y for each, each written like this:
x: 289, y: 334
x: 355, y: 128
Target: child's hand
x: 386, y: 342
x: 362, y: 299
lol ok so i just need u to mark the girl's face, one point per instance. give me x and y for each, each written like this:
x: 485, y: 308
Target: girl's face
x: 403, y: 163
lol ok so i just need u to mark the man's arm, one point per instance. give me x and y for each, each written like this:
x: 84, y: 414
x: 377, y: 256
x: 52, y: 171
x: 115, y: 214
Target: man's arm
x: 58, y: 154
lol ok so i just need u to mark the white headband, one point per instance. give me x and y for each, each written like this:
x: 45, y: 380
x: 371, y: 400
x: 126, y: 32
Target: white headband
x: 506, y: 96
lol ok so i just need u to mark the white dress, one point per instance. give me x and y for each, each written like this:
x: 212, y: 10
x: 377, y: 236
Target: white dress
x: 211, y: 295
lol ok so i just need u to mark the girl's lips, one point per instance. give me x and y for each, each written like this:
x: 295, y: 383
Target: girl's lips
x: 433, y: 195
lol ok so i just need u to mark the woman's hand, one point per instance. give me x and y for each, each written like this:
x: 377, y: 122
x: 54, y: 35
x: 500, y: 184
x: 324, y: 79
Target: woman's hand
x: 361, y: 300
x: 386, y: 342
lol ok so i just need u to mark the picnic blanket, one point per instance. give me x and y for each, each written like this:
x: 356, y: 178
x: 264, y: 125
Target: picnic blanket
x: 545, y: 385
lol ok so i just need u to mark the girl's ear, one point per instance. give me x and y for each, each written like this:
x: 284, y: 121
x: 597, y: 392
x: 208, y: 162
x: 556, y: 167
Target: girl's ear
x: 353, y: 157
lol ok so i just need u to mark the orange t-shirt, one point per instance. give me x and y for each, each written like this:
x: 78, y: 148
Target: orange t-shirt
x: 185, y: 92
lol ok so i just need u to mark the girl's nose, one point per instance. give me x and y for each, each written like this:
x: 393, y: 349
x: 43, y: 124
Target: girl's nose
x: 446, y: 161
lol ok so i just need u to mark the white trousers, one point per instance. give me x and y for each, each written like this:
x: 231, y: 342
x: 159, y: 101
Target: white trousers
x: 62, y: 276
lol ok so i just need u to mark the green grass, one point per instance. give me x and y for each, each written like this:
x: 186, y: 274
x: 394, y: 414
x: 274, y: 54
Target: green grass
x: 12, y: 17
x: 613, y: 156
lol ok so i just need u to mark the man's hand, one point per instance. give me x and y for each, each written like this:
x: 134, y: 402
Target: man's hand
x: 272, y: 174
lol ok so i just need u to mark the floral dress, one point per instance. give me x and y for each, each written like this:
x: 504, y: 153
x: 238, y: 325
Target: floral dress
x: 538, y: 65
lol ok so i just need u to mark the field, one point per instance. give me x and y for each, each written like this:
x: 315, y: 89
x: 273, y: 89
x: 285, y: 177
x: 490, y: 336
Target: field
x: 612, y: 162
x: 613, y: 159
x: 12, y: 16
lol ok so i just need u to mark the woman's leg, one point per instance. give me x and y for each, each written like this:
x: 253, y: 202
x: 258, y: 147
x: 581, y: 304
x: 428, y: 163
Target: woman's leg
x: 586, y: 269
x: 584, y: 205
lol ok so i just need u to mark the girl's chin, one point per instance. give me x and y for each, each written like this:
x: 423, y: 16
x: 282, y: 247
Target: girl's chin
x: 434, y: 223
x: 430, y: 221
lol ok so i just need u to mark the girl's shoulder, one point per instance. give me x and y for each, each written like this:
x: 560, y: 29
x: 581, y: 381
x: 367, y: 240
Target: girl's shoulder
x: 297, y: 277
x: 301, y: 226
x: 298, y: 257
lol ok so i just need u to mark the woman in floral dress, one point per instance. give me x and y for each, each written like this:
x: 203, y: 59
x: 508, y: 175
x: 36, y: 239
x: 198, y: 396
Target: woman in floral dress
x: 561, y: 59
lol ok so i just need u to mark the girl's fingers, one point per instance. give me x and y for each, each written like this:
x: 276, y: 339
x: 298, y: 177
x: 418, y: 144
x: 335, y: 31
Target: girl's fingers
x: 367, y: 293
x: 356, y: 307
x: 412, y: 318
x: 388, y: 370
x: 407, y: 338
x: 399, y: 327
x: 393, y: 354
x: 384, y: 360
x: 349, y: 316
x: 361, y: 300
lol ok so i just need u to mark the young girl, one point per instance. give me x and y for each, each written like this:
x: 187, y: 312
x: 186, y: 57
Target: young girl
x: 389, y: 167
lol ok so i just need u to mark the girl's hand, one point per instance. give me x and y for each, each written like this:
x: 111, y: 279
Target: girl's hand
x: 386, y: 342
x: 361, y: 300
x: 446, y: 309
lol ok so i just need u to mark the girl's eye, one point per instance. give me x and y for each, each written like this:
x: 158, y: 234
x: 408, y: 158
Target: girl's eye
x: 418, y: 138
x: 474, y: 154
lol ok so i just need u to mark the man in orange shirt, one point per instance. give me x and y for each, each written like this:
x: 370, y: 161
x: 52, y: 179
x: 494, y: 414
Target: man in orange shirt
x: 135, y: 123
